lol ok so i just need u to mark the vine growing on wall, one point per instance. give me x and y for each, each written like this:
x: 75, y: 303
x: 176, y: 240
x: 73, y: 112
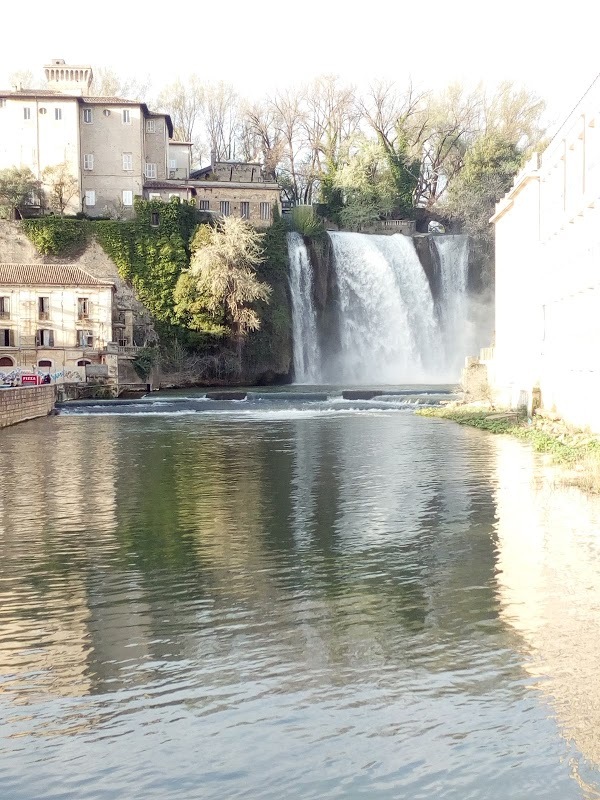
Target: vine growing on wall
x: 151, y: 250
x: 55, y: 236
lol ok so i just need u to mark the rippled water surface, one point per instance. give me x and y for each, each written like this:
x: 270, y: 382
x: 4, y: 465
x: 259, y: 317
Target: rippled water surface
x: 341, y: 602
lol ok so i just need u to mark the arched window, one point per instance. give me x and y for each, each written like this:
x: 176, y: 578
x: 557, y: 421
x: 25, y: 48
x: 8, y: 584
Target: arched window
x: 5, y: 361
x: 83, y: 362
x: 44, y: 363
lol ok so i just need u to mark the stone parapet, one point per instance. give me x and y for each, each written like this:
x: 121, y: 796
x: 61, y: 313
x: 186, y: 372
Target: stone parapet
x: 25, y: 402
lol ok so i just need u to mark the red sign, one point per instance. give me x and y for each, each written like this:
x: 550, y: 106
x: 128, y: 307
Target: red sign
x: 28, y: 380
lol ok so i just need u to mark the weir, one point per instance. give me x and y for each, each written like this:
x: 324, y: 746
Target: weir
x: 391, y: 326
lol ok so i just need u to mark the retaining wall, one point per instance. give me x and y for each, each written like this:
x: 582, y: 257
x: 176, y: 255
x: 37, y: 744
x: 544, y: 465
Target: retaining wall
x: 25, y: 402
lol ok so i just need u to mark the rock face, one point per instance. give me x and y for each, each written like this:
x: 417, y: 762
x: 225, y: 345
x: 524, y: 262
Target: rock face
x: 325, y: 291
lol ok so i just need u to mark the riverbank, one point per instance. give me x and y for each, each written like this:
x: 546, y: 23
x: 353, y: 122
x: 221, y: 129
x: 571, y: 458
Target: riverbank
x: 575, y: 451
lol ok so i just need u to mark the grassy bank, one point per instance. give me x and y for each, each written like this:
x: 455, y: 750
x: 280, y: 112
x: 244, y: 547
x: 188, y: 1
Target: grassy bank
x: 576, y: 451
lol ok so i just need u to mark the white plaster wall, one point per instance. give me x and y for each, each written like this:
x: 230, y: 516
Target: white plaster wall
x: 548, y: 277
x: 41, y: 141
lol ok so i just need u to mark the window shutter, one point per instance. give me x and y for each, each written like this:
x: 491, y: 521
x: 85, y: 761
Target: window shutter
x: 11, y: 339
x: 50, y: 338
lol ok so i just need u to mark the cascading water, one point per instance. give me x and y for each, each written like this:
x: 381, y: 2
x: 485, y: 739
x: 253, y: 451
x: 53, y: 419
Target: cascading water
x: 388, y: 328
x: 307, y: 356
x: 460, y: 335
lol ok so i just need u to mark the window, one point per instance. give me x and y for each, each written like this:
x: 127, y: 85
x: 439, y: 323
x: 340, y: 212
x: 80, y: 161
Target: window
x: 44, y: 338
x: 7, y: 337
x: 43, y: 308
x: 265, y: 211
x: 58, y: 114
x: 245, y: 210
x: 83, y: 362
x: 155, y: 219
x: 224, y: 207
x: 88, y: 161
x: 154, y: 196
x: 2, y: 102
x: 126, y: 117
x: 127, y: 161
x: 44, y: 363
x: 83, y: 308
x: 151, y: 170
x: 87, y: 115
x: 127, y: 197
x: 204, y: 205
x: 42, y: 111
x: 4, y: 307
x: 90, y: 198
x: 85, y: 339
x: 26, y: 113
x: 172, y: 163
x: 5, y: 361
x: 150, y: 126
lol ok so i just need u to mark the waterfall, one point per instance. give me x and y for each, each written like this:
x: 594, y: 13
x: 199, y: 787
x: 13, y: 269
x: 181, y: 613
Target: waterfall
x: 307, y: 356
x: 388, y: 327
x: 460, y: 335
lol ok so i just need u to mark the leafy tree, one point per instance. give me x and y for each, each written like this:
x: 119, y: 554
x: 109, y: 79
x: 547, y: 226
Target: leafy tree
x: 61, y: 185
x: 221, y: 284
x: 490, y: 166
x: 17, y: 186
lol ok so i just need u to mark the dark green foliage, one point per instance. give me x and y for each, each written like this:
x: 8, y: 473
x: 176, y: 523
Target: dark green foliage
x: 144, y: 361
x: 272, y: 343
x: 151, y: 257
x: 55, y: 236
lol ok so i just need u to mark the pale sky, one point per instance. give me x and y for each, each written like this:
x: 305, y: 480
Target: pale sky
x: 552, y: 48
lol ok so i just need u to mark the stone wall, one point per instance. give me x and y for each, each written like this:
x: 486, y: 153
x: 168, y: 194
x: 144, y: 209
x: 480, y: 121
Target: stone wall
x: 25, y: 402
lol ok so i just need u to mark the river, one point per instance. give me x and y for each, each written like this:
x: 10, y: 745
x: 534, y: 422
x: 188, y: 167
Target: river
x: 292, y: 600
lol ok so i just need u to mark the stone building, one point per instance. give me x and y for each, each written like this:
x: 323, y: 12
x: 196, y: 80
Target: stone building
x: 117, y: 149
x: 110, y: 145
x: 225, y: 188
x: 55, y: 319
x: 547, y: 279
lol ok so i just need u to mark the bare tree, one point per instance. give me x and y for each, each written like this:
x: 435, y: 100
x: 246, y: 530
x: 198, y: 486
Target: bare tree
x: 221, y: 119
x: 108, y: 83
x: 261, y: 136
x: 184, y: 102
x: 61, y: 185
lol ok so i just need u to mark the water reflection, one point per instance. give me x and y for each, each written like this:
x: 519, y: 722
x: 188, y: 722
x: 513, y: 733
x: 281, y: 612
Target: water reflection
x: 327, y: 606
x: 548, y: 573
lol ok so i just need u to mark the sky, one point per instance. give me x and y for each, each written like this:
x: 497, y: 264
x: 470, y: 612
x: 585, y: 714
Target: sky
x: 258, y: 46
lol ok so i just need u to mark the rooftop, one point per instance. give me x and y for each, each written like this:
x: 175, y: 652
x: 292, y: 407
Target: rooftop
x: 47, y: 275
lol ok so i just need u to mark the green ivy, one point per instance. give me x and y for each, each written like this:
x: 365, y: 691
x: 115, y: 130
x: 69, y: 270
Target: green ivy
x: 151, y: 252
x: 54, y: 236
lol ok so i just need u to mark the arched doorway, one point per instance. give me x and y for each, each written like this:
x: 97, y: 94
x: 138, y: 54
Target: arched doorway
x: 6, y: 361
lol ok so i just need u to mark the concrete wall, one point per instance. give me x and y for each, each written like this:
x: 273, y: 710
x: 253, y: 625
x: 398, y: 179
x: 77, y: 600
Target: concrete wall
x: 27, y: 402
x: 547, y: 279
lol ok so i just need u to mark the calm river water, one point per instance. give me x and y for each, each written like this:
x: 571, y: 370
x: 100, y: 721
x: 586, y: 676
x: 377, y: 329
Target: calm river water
x: 301, y: 600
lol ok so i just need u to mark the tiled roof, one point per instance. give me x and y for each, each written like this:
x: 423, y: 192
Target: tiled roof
x: 33, y: 93
x: 171, y: 184
x: 47, y: 275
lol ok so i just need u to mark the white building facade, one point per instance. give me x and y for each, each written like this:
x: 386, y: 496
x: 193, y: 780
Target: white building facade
x: 55, y: 320
x: 548, y: 274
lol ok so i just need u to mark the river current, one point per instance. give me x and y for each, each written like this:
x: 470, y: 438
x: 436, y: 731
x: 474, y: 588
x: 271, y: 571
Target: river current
x: 292, y: 600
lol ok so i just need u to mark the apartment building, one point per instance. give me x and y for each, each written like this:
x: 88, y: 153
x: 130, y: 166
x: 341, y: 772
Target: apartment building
x: 55, y: 319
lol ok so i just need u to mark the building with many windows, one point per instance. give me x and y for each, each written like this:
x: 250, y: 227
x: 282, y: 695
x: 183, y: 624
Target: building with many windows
x: 115, y: 150
x: 55, y: 319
